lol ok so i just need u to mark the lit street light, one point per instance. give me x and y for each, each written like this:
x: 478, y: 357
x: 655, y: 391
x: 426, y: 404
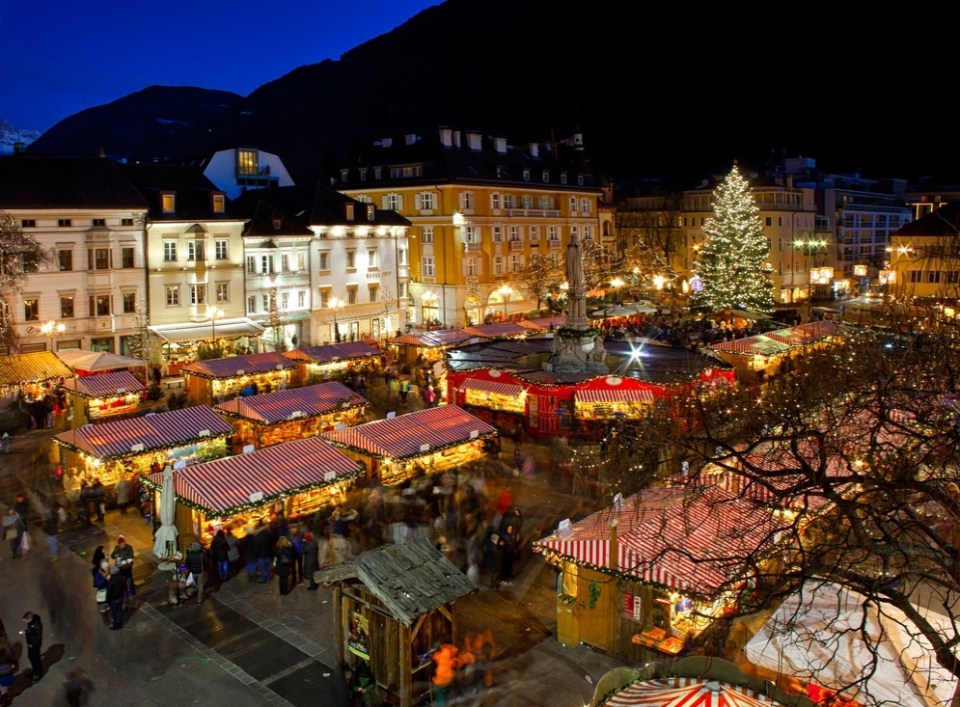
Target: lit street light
x: 505, y: 291
x: 214, y: 315
x: 52, y: 329
x: 334, y: 304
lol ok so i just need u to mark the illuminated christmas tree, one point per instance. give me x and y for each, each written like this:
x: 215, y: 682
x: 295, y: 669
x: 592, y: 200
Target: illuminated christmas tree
x: 733, y: 264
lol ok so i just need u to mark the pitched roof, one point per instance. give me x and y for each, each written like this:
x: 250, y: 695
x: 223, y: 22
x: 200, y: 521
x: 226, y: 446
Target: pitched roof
x: 234, y: 366
x: 193, y: 192
x: 313, y: 205
x: 327, y: 353
x: 282, y: 405
x: 28, y: 182
x: 411, y: 578
x: 105, y: 385
x: 16, y: 369
x: 945, y: 221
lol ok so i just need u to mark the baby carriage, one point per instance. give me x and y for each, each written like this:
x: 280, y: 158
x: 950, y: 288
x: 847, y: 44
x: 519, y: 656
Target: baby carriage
x: 182, y: 586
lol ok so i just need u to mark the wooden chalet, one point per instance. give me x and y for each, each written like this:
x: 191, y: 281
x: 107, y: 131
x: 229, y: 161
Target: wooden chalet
x: 218, y: 379
x: 334, y: 361
x: 103, y: 396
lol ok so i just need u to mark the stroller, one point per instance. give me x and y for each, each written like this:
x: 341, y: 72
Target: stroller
x: 182, y: 587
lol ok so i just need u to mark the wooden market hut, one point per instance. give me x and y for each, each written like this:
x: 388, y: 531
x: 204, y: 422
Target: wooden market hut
x: 95, y: 398
x: 430, y: 440
x: 335, y: 361
x: 654, y: 569
x: 298, y: 478
x: 426, y: 346
x: 219, y: 379
x: 116, y: 448
x: 285, y: 415
x: 392, y: 605
x: 32, y: 374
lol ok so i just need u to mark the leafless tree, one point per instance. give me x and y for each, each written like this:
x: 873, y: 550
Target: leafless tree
x: 20, y: 254
x: 540, y: 278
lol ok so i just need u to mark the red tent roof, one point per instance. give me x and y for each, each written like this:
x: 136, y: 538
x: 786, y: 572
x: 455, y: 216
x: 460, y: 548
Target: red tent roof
x: 282, y: 405
x: 105, y: 385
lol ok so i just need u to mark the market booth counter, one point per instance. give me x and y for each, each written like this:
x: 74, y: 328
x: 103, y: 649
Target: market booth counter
x: 393, y: 606
x: 218, y: 379
x: 431, y: 440
x: 95, y: 398
x: 32, y: 375
x: 335, y: 361
x: 114, y: 449
x: 296, y: 478
x: 272, y: 418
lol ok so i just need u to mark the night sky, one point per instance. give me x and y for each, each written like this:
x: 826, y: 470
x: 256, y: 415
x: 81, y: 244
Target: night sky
x: 59, y: 57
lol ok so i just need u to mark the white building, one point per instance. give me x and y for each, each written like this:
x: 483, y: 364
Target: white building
x: 240, y: 169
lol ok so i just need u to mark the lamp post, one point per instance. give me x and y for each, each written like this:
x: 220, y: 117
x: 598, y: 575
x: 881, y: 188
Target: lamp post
x: 616, y: 283
x: 214, y: 314
x: 334, y: 304
x: 505, y: 291
x: 52, y: 329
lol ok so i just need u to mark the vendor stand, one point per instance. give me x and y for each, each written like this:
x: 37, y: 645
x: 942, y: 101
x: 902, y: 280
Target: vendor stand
x: 296, y: 479
x: 335, y: 361
x: 431, y: 440
x: 394, y: 606
x: 427, y: 346
x: 31, y: 375
x: 95, y: 398
x: 613, y: 397
x: 285, y: 415
x: 114, y: 449
x: 218, y: 379
x: 90, y: 363
x: 181, y: 343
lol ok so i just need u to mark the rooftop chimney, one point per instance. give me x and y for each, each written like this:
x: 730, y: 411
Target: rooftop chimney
x: 19, y: 147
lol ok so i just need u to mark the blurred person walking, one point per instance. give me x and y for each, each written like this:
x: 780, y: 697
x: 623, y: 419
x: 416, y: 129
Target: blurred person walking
x: 33, y: 636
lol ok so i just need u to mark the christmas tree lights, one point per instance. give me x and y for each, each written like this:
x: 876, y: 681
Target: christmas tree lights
x: 733, y: 262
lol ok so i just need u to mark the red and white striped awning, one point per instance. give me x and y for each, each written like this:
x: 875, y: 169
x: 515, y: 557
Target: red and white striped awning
x: 508, y: 389
x: 413, y: 434
x: 683, y: 537
x: 105, y: 385
x: 137, y: 435
x: 687, y: 692
x: 644, y: 395
x: 283, y: 405
x: 236, y: 366
x: 329, y: 353
x: 758, y: 345
x: 223, y: 485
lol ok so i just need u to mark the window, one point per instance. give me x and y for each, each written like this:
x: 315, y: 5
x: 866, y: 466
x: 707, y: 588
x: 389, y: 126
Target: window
x: 100, y: 305
x: 351, y: 259
x: 585, y: 205
x: 323, y: 299
x: 66, y: 259
x: 401, y: 256
x: 301, y: 298
x: 526, y: 201
x: 251, y: 265
x: 546, y: 176
x: 372, y: 212
x: 373, y: 291
x: 31, y: 309
x: 498, y: 234
x: 223, y: 292
x: 471, y: 234
x: 173, y: 295
x: 221, y: 250
x: 169, y: 251
x: 98, y: 258
x: 247, y: 163
x: 470, y: 267
x: 534, y: 234
x: 429, y: 266
x: 195, y: 251
x: 516, y: 233
x: 466, y: 200
x: 168, y: 202
x: 545, y: 202
x: 252, y: 304
x: 285, y: 263
x: 64, y: 223
x: 66, y: 307
x: 498, y: 265
x: 426, y: 201
x: 266, y: 264
x: 495, y: 202
x: 126, y: 257
x: 301, y: 260
x: 768, y: 221
x: 99, y: 223
x: 553, y: 234
x: 265, y: 301
x: 28, y: 223
x: 573, y: 204
x: 393, y: 202
x: 372, y: 262
x: 219, y: 203
x: 126, y: 222
x: 427, y: 234
x: 198, y: 294
x: 129, y: 302
x: 351, y: 295
x: 324, y: 261
x: 285, y: 301
x: 526, y: 175
x: 516, y: 263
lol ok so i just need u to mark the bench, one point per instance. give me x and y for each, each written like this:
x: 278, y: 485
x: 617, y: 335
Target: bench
x: 169, y: 383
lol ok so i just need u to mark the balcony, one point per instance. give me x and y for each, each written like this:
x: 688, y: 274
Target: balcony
x: 471, y: 247
x: 534, y: 213
x: 516, y: 245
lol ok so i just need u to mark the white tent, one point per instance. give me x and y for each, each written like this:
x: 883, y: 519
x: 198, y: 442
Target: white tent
x: 97, y: 360
x: 828, y: 635
x: 165, y: 539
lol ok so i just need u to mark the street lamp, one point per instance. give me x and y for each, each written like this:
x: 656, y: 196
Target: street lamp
x: 52, y: 329
x: 214, y: 314
x: 616, y: 283
x: 505, y: 291
x: 334, y: 304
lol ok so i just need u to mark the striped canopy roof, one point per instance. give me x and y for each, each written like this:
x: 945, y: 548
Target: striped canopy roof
x: 162, y: 430
x: 17, y: 369
x: 413, y: 434
x: 221, y: 486
x: 236, y: 366
x: 643, y: 395
x: 510, y: 389
x: 433, y: 339
x: 686, y: 692
x: 752, y: 345
x: 283, y: 405
x: 327, y: 353
x: 499, y: 330
x: 105, y: 385
x: 689, y: 538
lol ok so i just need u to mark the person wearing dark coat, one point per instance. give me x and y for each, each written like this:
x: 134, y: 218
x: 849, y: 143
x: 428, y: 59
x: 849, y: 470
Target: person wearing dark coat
x: 220, y: 550
x: 311, y: 555
x: 197, y: 565
x: 248, y: 552
x: 263, y: 547
x: 116, y: 593
x: 284, y: 563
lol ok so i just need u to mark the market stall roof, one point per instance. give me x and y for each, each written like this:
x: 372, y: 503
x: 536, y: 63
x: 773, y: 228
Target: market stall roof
x: 283, y: 405
x: 508, y: 389
x: 17, y: 369
x: 236, y: 366
x: 120, y: 438
x: 760, y: 344
x: 644, y: 395
x: 687, y: 538
x: 105, y: 385
x: 80, y: 360
x: 328, y: 353
x: 749, y: 314
x: 195, y: 331
x: 686, y: 692
x: 433, y: 339
x: 411, y: 578
x: 223, y: 486
x: 806, y: 333
x: 544, y: 323
x: 827, y: 634
x: 414, y: 433
x: 500, y: 330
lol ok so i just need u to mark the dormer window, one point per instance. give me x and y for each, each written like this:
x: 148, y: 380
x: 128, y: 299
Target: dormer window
x: 546, y: 176
x: 344, y: 175
x: 371, y: 212
x: 277, y: 224
x: 248, y: 163
x: 219, y: 203
x: 526, y: 175
x: 168, y: 202
x: 349, y: 211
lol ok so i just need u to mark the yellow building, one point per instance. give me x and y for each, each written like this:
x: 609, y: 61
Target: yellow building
x: 924, y: 257
x: 483, y: 212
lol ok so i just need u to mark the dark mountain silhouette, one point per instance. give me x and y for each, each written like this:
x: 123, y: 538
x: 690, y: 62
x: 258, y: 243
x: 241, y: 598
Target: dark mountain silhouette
x: 670, y: 90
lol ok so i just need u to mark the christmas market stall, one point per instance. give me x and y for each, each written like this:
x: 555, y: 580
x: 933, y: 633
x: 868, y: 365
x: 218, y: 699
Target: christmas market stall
x: 655, y: 569
x: 219, y: 379
x: 115, y: 449
x: 336, y: 361
x: 94, y: 398
x: 431, y: 440
x: 395, y: 610
x: 180, y: 343
x: 285, y: 415
x: 295, y: 479
x: 31, y: 376
x: 426, y: 346
x: 89, y: 363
